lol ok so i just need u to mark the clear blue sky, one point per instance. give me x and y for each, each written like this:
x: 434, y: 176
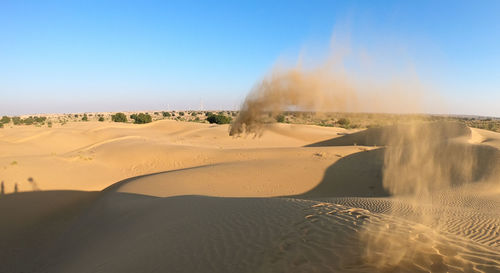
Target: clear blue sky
x: 77, y: 56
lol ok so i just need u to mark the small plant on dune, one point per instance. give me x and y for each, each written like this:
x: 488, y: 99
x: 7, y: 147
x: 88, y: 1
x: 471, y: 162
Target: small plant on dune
x: 166, y: 114
x: 119, y: 117
x: 194, y: 114
x: 343, y: 122
x: 219, y: 119
x: 101, y: 119
x: 85, y: 118
x: 181, y: 113
x: 5, y: 120
x: 49, y: 124
x: 280, y: 118
x: 1, y: 125
x: 28, y: 121
x: 208, y: 114
x: 141, y: 118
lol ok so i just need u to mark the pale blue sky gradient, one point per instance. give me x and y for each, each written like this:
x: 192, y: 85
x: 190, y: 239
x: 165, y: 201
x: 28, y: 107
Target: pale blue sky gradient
x: 83, y: 56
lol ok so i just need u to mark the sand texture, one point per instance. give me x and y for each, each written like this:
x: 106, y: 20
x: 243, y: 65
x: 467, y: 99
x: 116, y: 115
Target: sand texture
x: 186, y: 197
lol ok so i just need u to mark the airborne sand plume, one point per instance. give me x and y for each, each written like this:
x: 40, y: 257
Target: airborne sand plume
x: 423, y: 162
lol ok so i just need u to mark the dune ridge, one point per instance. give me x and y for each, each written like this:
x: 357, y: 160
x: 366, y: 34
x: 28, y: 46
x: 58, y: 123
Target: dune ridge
x: 300, y: 198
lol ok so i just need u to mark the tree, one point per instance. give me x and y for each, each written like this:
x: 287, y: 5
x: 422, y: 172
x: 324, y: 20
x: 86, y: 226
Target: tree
x: 219, y: 119
x: 141, y: 118
x: 17, y: 120
x: 119, y: 117
x: 5, y: 119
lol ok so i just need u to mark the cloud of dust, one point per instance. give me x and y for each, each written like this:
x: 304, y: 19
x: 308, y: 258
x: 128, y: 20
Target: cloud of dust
x: 420, y: 159
x: 330, y: 86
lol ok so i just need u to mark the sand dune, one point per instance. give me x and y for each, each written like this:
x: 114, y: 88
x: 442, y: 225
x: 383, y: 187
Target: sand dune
x: 186, y: 197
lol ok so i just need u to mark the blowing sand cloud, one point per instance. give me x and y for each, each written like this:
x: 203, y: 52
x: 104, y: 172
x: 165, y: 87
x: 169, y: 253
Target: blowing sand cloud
x: 329, y: 86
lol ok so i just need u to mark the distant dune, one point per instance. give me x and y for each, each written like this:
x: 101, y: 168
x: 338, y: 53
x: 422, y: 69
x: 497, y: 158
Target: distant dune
x: 185, y: 197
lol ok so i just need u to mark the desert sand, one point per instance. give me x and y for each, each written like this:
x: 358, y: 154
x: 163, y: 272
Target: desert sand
x: 175, y: 196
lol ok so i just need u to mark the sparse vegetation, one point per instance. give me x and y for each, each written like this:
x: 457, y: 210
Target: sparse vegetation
x: 280, y: 118
x: 85, y: 118
x: 101, y: 119
x: 119, y: 117
x: 181, y: 113
x: 219, y: 119
x: 5, y: 120
x: 141, y: 118
x: 166, y: 114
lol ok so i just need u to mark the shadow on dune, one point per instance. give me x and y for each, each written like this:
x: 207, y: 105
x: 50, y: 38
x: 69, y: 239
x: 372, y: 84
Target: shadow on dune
x: 31, y: 221
x: 361, y: 174
x: 381, y: 136
x: 356, y: 175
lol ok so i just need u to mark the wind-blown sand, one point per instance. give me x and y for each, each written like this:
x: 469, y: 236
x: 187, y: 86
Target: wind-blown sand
x: 186, y: 197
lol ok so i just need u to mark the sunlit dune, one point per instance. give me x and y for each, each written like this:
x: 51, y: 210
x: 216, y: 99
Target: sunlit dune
x: 117, y: 197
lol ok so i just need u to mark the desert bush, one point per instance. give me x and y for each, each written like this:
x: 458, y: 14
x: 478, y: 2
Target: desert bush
x: 101, y: 119
x: 280, y: 118
x: 1, y: 125
x: 181, y: 113
x: 28, y: 120
x: 5, y: 120
x: 343, y: 122
x: 85, y: 118
x: 219, y: 119
x: 49, y: 124
x: 119, y: 117
x: 17, y: 120
x: 194, y: 114
x: 208, y: 114
x: 166, y: 114
x: 141, y: 118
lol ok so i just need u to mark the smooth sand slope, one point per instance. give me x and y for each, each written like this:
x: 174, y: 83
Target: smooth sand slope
x: 192, y: 199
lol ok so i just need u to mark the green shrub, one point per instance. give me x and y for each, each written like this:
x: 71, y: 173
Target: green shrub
x: 194, y: 114
x: 101, y: 119
x: 141, y: 118
x: 119, y: 117
x: 17, y: 120
x: 181, y: 113
x: 166, y: 114
x: 85, y: 118
x: 208, y: 114
x: 49, y: 124
x: 39, y: 119
x: 1, y: 125
x: 343, y: 122
x: 28, y: 121
x: 219, y: 119
x: 280, y: 118
x: 5, y: 120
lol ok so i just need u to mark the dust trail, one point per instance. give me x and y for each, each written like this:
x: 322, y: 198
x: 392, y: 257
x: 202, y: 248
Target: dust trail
x: 319, y: 89
x: 423, y: 161
x: 329, y: 86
